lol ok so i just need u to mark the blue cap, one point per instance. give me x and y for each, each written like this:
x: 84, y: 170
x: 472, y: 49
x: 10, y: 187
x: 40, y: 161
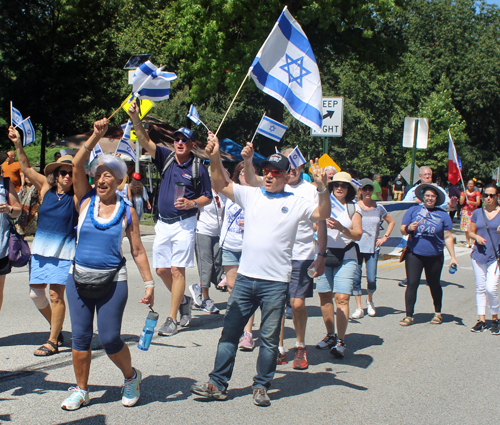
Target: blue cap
x: 186, y: 132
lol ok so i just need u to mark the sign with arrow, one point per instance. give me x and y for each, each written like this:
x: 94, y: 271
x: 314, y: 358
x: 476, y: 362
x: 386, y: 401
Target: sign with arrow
x: 333, y: 114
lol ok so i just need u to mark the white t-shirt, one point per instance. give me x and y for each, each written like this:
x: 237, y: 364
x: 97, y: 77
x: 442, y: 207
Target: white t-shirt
x: 270, y: 227
x: 231, y: 237
x: 335, y: 239
x: 303, y: 249
x: 210, y: 219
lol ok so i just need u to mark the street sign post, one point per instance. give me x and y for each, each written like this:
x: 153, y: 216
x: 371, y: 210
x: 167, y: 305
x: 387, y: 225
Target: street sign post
x: 415, y: 136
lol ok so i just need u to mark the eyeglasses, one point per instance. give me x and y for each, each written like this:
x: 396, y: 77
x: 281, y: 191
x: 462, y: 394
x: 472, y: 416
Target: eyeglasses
x: 367, y: 189
x: 64, y: 173
x: 489, y: 195
x: 274, y: 173
x: 430, y: 196
x: 179, y: 140
x: 342, y: 185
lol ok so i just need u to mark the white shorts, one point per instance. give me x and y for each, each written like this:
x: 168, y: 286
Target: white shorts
x: 174, y: 244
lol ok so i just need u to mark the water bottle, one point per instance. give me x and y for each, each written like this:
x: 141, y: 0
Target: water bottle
x: 453, y: 268
x: 148, y: 331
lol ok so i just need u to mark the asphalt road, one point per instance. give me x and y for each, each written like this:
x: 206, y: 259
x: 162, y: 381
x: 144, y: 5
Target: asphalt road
x: 423, y: 374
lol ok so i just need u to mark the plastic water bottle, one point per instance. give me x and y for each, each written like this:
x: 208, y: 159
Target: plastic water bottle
x: 453, y: 268
x: 148, y: 331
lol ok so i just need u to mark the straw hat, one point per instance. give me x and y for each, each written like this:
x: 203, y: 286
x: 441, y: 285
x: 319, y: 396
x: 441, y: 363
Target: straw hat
x: 64, y: 160
x: 344, y: 177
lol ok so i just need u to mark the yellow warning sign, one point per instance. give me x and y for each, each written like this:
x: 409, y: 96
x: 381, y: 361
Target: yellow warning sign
x: 326, y: 160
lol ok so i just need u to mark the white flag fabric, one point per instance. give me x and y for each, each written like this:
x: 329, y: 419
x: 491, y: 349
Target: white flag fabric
x: 193, y: 115
x: 28, y: 131
x: 270, y: 128
x: 286, y: 69
x: 296, y: 158
x: 17, y: 117
x: 149, y: 83
x: 95, y: 152
x: 124, y: 147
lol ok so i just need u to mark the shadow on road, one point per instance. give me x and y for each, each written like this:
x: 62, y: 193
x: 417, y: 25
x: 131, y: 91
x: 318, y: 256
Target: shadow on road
x: 91, y: 420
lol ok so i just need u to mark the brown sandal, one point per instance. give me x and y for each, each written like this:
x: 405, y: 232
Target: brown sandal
x: 407, y: 321
x: 46, y: 350
x: 437, y: 319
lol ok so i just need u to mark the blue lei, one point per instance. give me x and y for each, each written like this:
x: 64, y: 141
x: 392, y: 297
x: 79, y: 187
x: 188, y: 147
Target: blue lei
x: 275, y: 194
x: 118, y: 217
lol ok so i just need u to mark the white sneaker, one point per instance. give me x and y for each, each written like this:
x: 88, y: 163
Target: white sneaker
x: 358, y: 313
x: 77, y: 399
x: 370, y: 309
x: 131, y: 390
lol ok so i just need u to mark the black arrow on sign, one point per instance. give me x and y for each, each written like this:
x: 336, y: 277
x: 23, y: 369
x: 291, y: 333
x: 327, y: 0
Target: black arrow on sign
x: 329, y: 114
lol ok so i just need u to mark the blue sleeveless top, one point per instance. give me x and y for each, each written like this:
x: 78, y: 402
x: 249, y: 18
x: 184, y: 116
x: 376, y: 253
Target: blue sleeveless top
x: 57, y: 219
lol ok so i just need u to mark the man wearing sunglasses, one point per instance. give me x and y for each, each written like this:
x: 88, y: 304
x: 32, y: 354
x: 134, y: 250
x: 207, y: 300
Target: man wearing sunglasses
x: 173, y: 248
x: 272, y: 217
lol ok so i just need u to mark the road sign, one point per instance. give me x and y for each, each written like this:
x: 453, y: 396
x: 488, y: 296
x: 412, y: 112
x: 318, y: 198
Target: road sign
x: 333, y: 116
x: 409, y: 132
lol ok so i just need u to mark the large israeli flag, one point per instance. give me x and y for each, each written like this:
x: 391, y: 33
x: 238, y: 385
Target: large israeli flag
x: 270, y: 128
x: 124, y: 147
x: 28, y: 132
x: 151, y: 83
x: 286, y: 69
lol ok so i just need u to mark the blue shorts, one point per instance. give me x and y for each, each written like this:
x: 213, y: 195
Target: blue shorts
x: 48, y: 270
x: 230, y: 258
x: 339, y: 279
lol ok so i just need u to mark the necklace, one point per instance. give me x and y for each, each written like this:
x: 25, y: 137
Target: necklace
x: 59, y: 196
x: 101, y: 223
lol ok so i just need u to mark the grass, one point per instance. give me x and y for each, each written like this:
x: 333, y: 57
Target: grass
x: 148, y: 220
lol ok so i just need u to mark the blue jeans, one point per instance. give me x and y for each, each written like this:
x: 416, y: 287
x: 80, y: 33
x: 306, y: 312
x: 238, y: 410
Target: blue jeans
x: 371, y: 261
x: 247, y: 295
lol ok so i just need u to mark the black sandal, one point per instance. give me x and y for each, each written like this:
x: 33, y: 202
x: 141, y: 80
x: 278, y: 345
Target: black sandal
x: 46, y: 350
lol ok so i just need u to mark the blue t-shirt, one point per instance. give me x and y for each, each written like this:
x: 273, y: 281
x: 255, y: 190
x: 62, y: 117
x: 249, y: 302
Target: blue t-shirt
x: 428, y: 239
x: 179, y: 173
x: 484, y: 254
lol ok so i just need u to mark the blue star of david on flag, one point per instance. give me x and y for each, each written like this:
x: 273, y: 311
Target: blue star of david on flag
x: 290, y: 70
x: 286, y: 69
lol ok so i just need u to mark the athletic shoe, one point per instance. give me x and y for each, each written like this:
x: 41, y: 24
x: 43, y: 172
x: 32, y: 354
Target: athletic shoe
x: 358, y: 313
x: 479, y: 327
x: 185, y: 311
x: 197, y: 295
x: 246, y: 342
x: 281, y: 360
x: 300, y: 359
x: 329, y: 341
x: 495, y: 330
x: 131, y: 390
x: 370, y: 308
x: 169, y: 328
x: 209, y: 391
x: 260, y: 397
x: 403, y: 283
x: 288, y: 313
x: 339, y: 350
x: 209, y: 307
x: 77, y: 399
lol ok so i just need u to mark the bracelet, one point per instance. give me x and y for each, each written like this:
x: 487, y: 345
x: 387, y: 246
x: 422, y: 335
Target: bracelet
x: 86, y: 148
x: 11, y: 209
x: 322, y: 191
x: 386, y: 236
x: 140, y: 122
x: 149, y: 284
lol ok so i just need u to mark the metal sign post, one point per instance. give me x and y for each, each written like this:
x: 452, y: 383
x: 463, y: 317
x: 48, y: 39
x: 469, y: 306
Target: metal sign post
x: 415, y: 136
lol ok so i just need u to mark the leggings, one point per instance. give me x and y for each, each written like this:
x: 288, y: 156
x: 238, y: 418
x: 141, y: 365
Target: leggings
x: 109, y: 316
x: 433, y: 266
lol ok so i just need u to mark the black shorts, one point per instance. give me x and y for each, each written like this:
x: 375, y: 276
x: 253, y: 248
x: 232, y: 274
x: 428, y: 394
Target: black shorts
x: 301, y: 285
x: 5, y: 266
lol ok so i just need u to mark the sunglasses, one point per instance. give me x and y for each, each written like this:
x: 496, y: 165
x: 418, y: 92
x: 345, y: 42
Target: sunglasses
x: 342, y: 185
x: 274, y: 173
x: 179, y: 140
x: 64, y: 173
x: 489, y: 195
x: 367, y: 189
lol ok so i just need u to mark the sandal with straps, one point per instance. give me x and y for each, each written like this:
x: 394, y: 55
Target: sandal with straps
x: 437, y: 319
x: 407, y: 321
x: 46, y: 350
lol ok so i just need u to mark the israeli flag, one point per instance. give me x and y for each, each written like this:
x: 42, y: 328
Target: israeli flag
x: 296, y: 158
x: 270, y: 128
x: 151, y: 83
x: 17, y: 117
x: 286, y: 69
x: 95, y: 152
x: 193, y: 115
x: 337, y: 207
x: 357, y: 183
x: 28, y: 131
x: 124, y: 147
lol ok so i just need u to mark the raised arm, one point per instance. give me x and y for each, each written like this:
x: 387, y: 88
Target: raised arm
x: 38, y: 179
x: 219, y: 182
x: 142, y: 136
x: 81, y: 185
x: 322, y: 212
x: 250, y: 177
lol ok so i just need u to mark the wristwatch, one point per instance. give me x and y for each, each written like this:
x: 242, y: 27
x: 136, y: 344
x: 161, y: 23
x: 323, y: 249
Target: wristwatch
x: 195, y: 204
x: 323, y: 254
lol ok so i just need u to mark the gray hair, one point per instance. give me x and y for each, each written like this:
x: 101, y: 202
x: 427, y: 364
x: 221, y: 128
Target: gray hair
x: 114, y: 163
x: 330, y: 167
x: 425, y: 167
x: 376, y: 176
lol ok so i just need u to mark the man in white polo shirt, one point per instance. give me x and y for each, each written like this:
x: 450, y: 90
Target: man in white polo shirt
x: 272, y: 217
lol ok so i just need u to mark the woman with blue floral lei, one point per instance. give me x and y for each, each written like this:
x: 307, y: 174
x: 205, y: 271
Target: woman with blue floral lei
x: 98, y: 278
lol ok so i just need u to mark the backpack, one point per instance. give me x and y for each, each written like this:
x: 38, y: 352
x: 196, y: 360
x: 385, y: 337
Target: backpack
x: 351, y: 209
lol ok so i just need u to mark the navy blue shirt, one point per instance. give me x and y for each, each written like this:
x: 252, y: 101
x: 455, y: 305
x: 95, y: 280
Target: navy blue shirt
x: 179, y: 174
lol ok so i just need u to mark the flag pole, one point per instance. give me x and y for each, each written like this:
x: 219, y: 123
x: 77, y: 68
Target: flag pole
x: 234, y: 98
x: 11, y: 113
x: 251, y: 141
x: 456, y: 159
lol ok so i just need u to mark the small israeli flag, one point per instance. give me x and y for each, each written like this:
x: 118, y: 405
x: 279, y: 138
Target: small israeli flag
x: 150, y: 83
x: 193, y: 115
x: 357, y: 183
x: 124, y: 147
x: 296, y: 158
x: 17, y: 117
x: 95, y: 152
x: 28, y: 131
x: 270, y: 128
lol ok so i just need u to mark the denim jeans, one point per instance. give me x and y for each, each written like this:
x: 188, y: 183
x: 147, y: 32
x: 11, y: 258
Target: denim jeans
x: 371, y: 261
x: 247, y: 295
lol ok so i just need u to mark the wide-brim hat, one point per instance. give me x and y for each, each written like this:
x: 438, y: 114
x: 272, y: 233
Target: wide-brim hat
x: 277, y: 160
x: 421, y: 189
x: 344, y: 177
x: 64, y: 160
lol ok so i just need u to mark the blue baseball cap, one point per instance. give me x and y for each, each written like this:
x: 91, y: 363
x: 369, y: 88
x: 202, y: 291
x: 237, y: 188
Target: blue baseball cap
x: 186, y: 132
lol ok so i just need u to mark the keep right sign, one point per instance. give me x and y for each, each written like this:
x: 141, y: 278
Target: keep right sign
x: 333, y: 114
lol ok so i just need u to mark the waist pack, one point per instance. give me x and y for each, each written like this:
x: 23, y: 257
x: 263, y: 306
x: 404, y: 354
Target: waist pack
x: 335, y: 256
x: 94, y: 284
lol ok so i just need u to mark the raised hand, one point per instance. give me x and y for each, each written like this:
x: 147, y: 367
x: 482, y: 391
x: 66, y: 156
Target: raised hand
x: 134, y: 110
x: 212, y: 148
x: 100, y: 127
x: 14, y: 135
x: 247, y: 152
x: 318, y: 174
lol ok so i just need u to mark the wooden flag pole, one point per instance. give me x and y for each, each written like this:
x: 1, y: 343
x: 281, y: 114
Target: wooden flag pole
x: 234, y: 98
